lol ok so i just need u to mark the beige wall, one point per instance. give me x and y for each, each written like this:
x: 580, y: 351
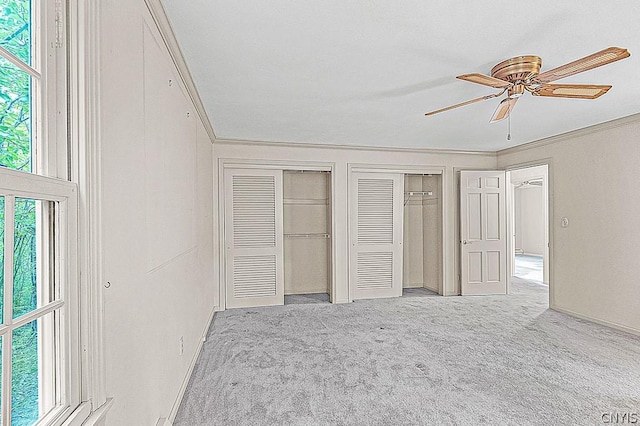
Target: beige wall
x: 413, y: 250
x: 432, y: 233
x: 529, y: 212
x: 593, y: 182
x: 157, y: 186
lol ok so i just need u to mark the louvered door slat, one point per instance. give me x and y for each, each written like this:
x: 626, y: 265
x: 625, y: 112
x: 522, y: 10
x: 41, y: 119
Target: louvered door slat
x: 254, y: 276
x: 375, y: 211
x: 254, y: 238
x: 376, y: 256
x: 375, y: 270
x: 254, y: 211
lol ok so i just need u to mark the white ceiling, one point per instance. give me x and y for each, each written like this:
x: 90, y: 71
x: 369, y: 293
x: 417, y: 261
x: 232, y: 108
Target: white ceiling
x: 364, y: 72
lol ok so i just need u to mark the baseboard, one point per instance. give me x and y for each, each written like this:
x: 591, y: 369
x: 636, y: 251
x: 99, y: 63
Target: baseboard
x: 614, y: 325
x: 176, y: 405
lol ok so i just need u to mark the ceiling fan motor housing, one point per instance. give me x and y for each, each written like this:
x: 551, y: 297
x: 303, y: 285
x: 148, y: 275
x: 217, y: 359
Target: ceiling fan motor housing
x: 519, y: 69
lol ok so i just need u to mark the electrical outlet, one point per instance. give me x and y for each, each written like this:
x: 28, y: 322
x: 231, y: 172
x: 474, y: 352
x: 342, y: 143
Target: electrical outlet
x: 181, y: 345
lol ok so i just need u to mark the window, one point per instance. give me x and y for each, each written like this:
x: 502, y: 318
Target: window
x: 39, y: 307
x: 37, y: 289
x: 16, y: 78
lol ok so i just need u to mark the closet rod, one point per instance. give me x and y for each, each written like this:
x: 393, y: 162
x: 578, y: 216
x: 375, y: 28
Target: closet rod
x: 410, y: 193
x: 307, y: 236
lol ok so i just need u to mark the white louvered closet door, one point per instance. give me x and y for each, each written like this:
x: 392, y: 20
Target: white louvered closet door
x: 376, y: 235
x: 254, y: 249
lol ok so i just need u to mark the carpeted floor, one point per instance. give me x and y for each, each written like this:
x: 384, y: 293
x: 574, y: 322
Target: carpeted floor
x: 495, y: 360
x: 418, y: 292
x: 529, y: 267
x: 297, y: 299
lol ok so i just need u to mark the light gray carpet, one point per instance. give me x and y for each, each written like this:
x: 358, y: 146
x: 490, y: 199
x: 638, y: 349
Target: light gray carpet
x: 529, y: 267
x: 306, y: 298
x: 491, y: 360
x: 418, y: 292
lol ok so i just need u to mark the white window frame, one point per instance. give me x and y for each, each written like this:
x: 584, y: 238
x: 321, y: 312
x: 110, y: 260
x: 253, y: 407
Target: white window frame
x: 15, y: 184
x: 66, y: 146
x: 48, y: 72
x: 83, y: 50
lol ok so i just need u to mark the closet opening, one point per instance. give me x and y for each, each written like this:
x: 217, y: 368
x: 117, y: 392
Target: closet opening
x: 307, y: 236
x: 422, y: 250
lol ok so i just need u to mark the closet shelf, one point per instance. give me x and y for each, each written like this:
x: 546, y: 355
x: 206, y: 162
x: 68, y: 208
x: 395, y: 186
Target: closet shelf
x: 410, y: 193
x: 325, y: 236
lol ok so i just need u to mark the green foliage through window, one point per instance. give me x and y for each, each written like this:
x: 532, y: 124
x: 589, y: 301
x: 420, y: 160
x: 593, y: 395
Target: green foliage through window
x: 24, y: 378
x: 15, y: 86
x: 16, y: 99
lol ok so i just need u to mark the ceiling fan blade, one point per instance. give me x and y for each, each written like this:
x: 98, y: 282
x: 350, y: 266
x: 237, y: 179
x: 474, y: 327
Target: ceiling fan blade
x: 504, y: 109
x: 483, y: 98
x: 577, y: 91
x: 598, y: 59
x: 485, y: 80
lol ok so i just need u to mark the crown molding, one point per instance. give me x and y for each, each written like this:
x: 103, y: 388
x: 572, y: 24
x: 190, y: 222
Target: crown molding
x: 159, y: 16
x: 607, y: 125
x: 247, y: 142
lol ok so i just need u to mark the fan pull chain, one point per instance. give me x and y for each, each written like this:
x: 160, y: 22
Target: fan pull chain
x: 509, y: 130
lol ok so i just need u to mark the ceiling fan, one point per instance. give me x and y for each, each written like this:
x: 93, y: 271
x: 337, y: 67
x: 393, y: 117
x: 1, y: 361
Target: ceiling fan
x: 522, y: 73
x: 530, y: 182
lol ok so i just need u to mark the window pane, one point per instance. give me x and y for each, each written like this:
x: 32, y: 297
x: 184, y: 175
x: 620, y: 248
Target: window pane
x: 26, y: 257
x: 24, y: 383
x: 1, y: 265
x: 15, y: 28
x: 1, y: 407
x: 33, y: 359
x: 15, y: 117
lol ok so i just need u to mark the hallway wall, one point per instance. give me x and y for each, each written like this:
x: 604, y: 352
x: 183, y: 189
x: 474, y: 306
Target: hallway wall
x: 529, y: 210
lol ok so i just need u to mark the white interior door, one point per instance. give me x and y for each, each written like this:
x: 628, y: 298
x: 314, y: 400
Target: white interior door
x: 376, y: 235
x: 253, y: 228
x: 483, y: 232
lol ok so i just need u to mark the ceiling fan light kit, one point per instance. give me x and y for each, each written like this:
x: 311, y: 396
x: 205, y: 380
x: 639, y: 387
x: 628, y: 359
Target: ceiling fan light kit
x: 522, y: 73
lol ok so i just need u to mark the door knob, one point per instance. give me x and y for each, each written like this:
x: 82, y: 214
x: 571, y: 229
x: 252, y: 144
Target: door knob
x: 464, y: 242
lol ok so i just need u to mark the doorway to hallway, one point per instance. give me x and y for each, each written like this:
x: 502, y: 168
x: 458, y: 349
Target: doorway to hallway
x: 529, y: 226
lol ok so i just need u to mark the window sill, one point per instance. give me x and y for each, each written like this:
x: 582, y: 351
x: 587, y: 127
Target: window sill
x: 84, y: 416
